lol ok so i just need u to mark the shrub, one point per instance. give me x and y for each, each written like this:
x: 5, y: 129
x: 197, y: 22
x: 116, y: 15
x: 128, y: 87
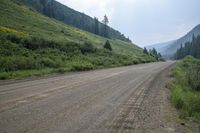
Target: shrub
x: 14, y: 63
x: 107, y: 46
x: 136, y: 61
x: 47, y: 62
x: 62, y: 70
x: 4, y: 76
x: 82, y: 66
x: 87, y: 47
x: 14, y: 38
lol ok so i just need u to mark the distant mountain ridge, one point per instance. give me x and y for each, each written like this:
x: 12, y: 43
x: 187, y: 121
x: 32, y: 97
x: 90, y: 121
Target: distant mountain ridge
x: 60, y: 12
x: 160, y: 47
x: 168, y: 49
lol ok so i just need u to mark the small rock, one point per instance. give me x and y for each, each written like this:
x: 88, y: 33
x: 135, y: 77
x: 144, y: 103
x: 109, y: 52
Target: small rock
x: 162, y: 125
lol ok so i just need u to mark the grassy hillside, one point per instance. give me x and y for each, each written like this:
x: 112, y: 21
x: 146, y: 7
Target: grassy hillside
x: 186, y: 88
x: 56, y: 10
x: 33, y: 44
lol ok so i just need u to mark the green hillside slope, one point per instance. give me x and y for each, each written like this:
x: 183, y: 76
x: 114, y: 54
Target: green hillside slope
x: 56, y: 10
x: 33, y: 44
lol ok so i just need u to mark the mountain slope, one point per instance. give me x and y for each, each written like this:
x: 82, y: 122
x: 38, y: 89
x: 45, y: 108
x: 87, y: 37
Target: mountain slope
x: 33, y: 44
x: 190, y: 48
x: 56, y: 10
x: 160, y: 47
x: 169, y: 49
x: 187, y: 38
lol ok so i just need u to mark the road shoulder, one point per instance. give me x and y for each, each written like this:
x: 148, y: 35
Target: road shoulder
x: 157, y: 115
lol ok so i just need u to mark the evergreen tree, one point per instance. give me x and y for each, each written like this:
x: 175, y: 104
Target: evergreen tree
x: 198, y: 47
x: 107, y: 45
x: 154, y: 52
x: 96, y: 26
x: 105, y: 22
x: 54, y: 9
x: 159, y: 55
x: 145, y: 51
x: 190, y: 48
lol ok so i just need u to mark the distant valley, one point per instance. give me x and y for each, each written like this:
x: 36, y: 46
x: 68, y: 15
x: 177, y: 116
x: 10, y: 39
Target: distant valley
x: 168, y: 49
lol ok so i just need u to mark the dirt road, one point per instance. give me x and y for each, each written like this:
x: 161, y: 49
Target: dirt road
x: 110, y: 100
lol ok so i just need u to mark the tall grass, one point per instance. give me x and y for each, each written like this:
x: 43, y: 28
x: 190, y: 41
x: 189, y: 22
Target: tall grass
x: 185, y: 88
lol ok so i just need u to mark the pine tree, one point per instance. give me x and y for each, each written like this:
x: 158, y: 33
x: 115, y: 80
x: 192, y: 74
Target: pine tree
x: 190, y: 48
x: 154, y: 52
x: 145, y: 51
x: 96, y: 26
x: 159, y: 55
x: 105, y: 22
x: 107, y: 45
x: 198, y: 46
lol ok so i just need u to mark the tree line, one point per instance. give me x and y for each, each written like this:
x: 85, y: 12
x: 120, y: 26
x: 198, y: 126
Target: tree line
x: 189, y: 48
x: 104, y: 29
x: 153, y: 53
x: 54, y: 9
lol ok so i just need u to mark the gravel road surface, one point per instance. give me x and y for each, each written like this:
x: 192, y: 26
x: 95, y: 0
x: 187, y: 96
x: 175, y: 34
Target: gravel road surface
x: 109, y: 100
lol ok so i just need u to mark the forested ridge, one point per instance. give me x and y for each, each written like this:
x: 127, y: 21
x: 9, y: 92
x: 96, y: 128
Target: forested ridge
x: 189, y: 48
x: 56, y: 10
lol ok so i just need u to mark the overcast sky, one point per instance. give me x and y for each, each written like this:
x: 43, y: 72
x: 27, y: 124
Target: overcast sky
x: 144, y: 21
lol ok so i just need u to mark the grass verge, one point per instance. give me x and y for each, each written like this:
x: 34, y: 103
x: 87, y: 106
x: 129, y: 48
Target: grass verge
x: 185, y: 88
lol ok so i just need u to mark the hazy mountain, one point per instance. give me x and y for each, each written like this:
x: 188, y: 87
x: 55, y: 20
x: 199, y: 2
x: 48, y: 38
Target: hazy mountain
x: 168, y: 49
x: 191, y: 48
x: 160, y: 47
x: 60, y: 12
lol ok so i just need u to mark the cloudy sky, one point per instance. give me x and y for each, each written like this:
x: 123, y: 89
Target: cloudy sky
x: 144, y: 21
